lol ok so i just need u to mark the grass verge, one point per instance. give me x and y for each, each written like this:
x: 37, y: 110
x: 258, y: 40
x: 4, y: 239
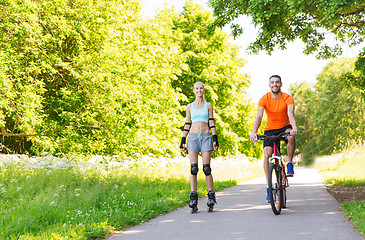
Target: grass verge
x: 344, y: 175
x: 87, y: 198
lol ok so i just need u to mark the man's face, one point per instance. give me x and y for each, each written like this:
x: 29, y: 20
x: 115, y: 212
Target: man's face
x: 275, y: 85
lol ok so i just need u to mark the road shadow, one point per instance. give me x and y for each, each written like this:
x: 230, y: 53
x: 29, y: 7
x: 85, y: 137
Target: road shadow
x: 242, y: 213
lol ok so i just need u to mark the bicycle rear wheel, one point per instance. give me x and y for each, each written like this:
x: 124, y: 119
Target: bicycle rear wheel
x: 284, y: 183
x: 275, y: 189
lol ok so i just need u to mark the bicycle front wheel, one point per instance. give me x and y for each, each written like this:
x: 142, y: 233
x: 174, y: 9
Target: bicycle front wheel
x: 275, y: 188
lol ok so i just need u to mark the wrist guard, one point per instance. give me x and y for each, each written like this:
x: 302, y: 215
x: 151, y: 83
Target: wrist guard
x: 183, y: 141
x: 215, y: 139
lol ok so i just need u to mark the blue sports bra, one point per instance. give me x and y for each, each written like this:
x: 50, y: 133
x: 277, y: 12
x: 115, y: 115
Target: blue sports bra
x: 199, y: 115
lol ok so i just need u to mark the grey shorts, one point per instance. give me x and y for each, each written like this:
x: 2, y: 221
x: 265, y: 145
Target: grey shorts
x: 200, y: 142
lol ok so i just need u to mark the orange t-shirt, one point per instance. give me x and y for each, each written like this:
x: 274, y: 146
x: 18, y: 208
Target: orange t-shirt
x: 276, y: 110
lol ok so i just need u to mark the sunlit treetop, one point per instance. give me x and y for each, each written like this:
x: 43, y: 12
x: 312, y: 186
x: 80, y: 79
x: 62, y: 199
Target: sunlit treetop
x: 280, y: 22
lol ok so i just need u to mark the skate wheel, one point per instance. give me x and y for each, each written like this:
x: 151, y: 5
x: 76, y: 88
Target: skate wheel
x: 194, y: 210
x: 210, y: 208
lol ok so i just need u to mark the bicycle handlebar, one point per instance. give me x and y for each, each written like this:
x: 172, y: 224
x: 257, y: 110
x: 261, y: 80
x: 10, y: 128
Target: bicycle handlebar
x: 279, y: 137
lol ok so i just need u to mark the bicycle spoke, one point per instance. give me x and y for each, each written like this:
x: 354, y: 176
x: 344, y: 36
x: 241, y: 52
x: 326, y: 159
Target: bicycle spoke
x: 275, y: 188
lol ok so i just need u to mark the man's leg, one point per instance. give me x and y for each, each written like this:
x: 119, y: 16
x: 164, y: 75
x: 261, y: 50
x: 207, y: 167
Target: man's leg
x: 267, y: 154
x: 291, y: 145
x: 291, y: 148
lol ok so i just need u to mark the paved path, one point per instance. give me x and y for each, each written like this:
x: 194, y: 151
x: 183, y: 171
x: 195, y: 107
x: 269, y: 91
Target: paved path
x: 242, y: 213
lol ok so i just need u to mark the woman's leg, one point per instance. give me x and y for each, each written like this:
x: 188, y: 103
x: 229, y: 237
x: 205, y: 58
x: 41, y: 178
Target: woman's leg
x: 207, y: 156
x: 193, y: 157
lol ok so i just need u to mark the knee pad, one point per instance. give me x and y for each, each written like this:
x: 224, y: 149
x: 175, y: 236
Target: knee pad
x: 194, y: 169
x: 207, y: 170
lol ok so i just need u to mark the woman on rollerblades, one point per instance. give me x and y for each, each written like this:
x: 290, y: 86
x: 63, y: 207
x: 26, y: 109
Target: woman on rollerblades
x: 199, y: 121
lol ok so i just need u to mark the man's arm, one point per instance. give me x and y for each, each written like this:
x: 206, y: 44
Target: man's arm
x: 292, y: 120
x: 257, y: 123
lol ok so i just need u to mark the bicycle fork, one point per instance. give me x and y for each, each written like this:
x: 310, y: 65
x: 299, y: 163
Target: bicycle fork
x: 280, y: 168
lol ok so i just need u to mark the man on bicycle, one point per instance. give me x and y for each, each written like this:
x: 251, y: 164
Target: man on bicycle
x: 279, y: 108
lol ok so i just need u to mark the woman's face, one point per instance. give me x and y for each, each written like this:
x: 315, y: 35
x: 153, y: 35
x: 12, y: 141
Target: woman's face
x: 199, y: 89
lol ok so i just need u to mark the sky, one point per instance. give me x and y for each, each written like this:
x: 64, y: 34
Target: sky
x: 291, y: 64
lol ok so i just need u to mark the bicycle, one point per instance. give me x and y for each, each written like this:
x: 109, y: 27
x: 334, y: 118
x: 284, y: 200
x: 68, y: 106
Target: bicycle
x: 278, y: 181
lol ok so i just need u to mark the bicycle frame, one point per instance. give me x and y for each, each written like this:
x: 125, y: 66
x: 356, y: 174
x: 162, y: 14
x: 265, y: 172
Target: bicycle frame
x: 277, y: 187
x: 277, y: 158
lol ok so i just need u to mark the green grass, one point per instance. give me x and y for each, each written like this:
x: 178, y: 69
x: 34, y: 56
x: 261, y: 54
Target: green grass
x: 356, y: 213
x: 348, y: 169
x: 87, y: 198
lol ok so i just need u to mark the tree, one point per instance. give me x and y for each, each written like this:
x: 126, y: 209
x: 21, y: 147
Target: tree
x: 213, y: 60
x: 331, y: 116
x: 95, y: 77
x: 357, y: 77
x: 304, y: 99
x: 88, y: 77
x: 283, y: 21
x: 338, y: 113
x: 317, y: 23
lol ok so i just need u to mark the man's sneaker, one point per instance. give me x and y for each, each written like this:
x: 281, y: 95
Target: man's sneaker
x: 290, y: 169
x: 267, y: 195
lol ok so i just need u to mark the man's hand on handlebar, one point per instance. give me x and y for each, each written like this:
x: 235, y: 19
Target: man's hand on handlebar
x: 293, y: 132
x: 253, y: 137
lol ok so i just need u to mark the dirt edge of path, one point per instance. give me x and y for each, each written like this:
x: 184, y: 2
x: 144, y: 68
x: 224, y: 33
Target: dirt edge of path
x: 347, y: 193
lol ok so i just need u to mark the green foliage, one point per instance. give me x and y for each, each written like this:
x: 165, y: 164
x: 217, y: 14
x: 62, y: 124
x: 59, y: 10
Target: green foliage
x: 86, y: 198
x: 304, y: 97
x: 348, y: 169
x: 281, y: 22
x: 345, y: 168
x: 97, y: 78
x: 314, y: 22
x: 355, y: 212
x: 211, y: 59
x: 330, y: 116
x: 357, y: 77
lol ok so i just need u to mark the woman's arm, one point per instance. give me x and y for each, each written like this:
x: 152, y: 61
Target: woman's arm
x: 211, y: 124
x: 187, y: 127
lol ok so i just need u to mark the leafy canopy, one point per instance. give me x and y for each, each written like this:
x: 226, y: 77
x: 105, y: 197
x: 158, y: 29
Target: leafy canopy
x: 99, y: 78
x: 283, y: 21
x: 323, y: 26
x: 330, y: 116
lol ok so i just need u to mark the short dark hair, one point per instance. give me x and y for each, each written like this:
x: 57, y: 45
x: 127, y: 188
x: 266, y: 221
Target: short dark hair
x: 276, y: 76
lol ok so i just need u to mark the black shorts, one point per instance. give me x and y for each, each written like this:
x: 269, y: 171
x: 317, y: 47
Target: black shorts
x: 269, y: 143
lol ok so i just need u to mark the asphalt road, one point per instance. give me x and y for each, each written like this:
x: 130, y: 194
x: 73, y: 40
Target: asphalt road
x: 242, y: 213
